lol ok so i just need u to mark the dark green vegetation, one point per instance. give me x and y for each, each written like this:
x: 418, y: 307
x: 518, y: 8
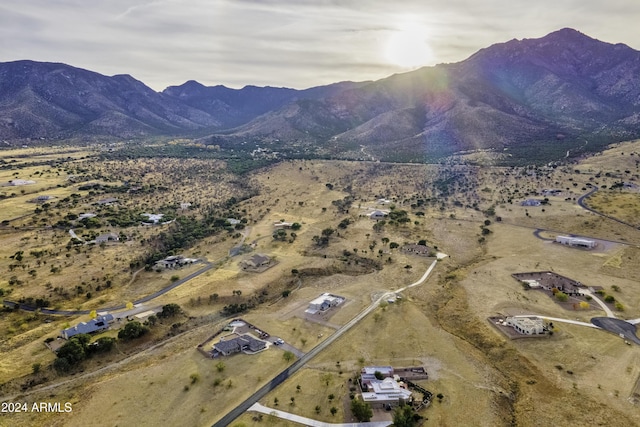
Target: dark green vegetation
x: 78, y: 348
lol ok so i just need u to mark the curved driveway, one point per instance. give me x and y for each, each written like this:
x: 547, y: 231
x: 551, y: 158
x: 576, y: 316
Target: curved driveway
x: 581, y: 200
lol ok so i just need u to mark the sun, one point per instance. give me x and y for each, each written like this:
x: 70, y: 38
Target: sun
x: 408, y: 46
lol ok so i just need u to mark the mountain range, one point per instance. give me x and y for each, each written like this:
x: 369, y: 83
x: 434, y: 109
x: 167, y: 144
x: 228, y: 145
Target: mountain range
x: 556, y: 93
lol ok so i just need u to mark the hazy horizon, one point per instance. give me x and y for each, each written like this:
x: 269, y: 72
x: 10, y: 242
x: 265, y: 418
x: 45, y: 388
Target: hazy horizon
x: 297, y: 44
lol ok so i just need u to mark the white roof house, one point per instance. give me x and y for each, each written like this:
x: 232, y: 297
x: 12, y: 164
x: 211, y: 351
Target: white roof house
x: 576, y: 242
x: 385, y: 392
x: 369, y: 372
x: 323, y: 302
x: 526, y: 325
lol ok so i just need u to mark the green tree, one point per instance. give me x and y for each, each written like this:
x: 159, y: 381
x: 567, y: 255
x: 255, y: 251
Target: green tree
x: 288, y: 356
x: 361, y: 410
x: 403, y: 416
x: 220, y: 366
x: 333, y: 410
x: 562, y: 297
x: 73, y: 351
x: 170, y: 310
x: 132, y: 330
x: 103, y: 345
x: 378, y: 375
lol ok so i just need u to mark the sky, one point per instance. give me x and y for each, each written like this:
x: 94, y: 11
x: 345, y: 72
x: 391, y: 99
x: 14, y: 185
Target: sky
x: 287, y: 43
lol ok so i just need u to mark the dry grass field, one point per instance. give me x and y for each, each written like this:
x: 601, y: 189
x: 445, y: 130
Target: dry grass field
x: 579, y: 376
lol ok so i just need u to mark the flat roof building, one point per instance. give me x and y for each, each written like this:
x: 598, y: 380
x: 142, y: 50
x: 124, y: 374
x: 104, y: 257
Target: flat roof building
x: 323, y: 303
x: 385, y: 392
x: 576, y: 242
x: 526, y: 325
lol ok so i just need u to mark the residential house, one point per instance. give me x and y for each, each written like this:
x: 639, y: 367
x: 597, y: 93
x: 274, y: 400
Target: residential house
x: 387, y: 392
x: 175, y: 261
x: 280, y: 225
x: 256, y: 262
x: 108, y: 237
x: 576, y: 242
x: 100, y: 323
x: 323, y: 303
x: 420, y: 250
x: 526, y: 325
x: 531, y: 202
x: 107, y: 201
x: 377, y: 214
x: 245, y: 343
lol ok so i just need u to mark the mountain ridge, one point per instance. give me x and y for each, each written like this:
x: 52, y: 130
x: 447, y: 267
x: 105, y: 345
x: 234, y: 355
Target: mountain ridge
x: 558, y: 89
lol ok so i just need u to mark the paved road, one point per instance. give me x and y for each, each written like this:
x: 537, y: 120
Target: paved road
x: 618, y: 327
x: 581, y: 200
x: 311, y: 422
x: 207, y: 266
x: 282, y: 376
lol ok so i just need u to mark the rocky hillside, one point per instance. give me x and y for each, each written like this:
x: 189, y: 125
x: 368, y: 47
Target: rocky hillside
x: 523, y: 98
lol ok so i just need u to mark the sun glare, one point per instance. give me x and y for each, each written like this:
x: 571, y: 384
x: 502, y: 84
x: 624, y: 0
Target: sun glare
x: 408, y: 46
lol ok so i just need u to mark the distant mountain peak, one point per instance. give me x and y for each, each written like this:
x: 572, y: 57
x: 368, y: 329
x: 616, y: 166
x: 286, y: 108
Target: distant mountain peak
x: 521, y: 93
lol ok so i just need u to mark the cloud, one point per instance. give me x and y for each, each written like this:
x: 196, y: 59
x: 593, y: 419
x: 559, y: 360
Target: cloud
x: 295, y: 43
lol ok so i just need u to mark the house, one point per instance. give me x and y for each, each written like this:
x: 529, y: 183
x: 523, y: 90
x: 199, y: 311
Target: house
x: 42, y: 199
x: 369, y: 372
x: 233, y: 221
x: 531, y: 202
x: 107, y: 201
x: 383, y: 201
x: 323, y: 303
x: 100, y: 323
x: 256, y: 262
x: 245, y: 343
x: 152, y: 218
x: 420, y: 250
x: 175, y: 261
x: 386, y: 392
x: 377, y: 215
x: 18, y: 182
x: 526, y: 325
x: 281, y: 225
x: 108, y: 237
x: 576, y: 242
